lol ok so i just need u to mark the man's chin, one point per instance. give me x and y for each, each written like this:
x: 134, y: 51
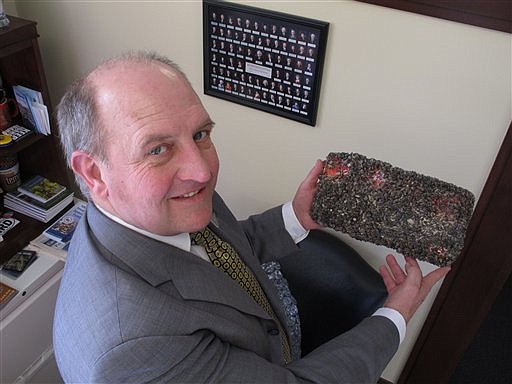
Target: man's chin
x: 198, y: 222
x: 199, y: 225
x: 194, y: 216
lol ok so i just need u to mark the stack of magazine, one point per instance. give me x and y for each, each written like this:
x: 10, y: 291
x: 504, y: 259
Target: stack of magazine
x: 39, y: 198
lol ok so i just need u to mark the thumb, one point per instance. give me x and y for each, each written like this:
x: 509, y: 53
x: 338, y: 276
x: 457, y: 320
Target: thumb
x: 314, y: 173
x: 432, y: 278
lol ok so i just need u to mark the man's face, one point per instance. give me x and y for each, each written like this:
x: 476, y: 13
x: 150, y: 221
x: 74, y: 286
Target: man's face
x: 162, y: 165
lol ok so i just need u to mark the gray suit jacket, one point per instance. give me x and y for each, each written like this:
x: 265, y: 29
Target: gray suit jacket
x: 131, y: 309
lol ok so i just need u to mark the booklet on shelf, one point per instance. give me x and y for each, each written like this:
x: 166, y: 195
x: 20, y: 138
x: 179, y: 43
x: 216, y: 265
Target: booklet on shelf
x: 51, y: 246
x: 32, y: 108
x: 24, y: 106
x: 56, y: 238
x: 62, y: 230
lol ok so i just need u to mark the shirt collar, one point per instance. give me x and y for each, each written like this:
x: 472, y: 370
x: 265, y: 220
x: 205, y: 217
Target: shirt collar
x: 181, y: 240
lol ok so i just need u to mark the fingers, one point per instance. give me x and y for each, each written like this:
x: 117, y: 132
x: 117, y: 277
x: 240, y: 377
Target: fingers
x: 393, y: 272
x: 398, y: 273
x: 413, y: 271
x: 388, y: 280
x: 304, y: 197
x: 392, y: 275
x: 313, y: 174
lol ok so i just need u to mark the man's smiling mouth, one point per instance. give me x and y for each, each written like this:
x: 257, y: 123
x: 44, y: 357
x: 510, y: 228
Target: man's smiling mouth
x: 189, y: 194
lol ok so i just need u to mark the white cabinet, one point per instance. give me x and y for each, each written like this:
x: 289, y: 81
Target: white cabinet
x: 26, y: 338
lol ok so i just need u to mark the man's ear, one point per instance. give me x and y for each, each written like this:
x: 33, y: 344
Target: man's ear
x: 88, y: 168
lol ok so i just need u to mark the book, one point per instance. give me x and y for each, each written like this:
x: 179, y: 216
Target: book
x: 62, y: 230
x: 371, y: 200
x: 19, y: 202
x: 41, y: 189
x: 7, y: 293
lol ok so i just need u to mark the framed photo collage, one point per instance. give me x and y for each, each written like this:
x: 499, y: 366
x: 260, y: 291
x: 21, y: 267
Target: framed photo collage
x: 263, y: 59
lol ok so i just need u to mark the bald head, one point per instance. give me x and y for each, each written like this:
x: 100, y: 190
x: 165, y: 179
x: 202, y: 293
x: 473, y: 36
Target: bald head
x: 129, y: 60
x: 79, y: 120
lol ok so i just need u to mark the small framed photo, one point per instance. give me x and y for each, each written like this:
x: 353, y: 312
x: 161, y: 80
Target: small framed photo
x: 264, y: 59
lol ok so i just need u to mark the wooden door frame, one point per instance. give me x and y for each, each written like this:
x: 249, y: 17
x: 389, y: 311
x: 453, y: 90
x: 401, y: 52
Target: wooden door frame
x: 475, y: 281
x: 491, y: 14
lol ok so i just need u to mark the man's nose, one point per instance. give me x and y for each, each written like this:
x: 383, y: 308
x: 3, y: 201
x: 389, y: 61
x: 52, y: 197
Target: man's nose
x: 193, y: 165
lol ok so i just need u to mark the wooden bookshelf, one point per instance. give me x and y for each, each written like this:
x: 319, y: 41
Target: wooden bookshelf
x: 21, y: 64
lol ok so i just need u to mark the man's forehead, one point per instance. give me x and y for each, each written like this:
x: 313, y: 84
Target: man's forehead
x: 128, y: 68
x: 169, y: 72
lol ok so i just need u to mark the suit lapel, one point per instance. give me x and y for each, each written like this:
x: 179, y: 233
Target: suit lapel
x: 158, y: 263
x: 226, y: 227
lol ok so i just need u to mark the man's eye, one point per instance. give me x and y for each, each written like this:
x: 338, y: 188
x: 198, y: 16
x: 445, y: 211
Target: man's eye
x: 201, y: 135
x: 158, y: 150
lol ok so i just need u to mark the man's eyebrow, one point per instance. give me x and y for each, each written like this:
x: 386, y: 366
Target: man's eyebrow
x: 208, y: 122
x: 148, y: 140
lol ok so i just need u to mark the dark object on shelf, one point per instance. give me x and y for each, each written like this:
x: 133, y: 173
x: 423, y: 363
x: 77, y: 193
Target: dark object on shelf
x: 17, y: 264
x: 5, y: 140
x: 8, y: 112
x: 371, y: 200
x: 17, y: 132
x: 10, y: 178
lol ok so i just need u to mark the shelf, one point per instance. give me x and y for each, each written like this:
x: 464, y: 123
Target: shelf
x: 19, y: 31
x: 21, y: 64
x: 26, y: 332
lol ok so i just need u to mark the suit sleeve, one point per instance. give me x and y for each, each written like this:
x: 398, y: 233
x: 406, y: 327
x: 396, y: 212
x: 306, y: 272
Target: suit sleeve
x: 268, y: 235
x: 265, y: 233
x: 358, y: 356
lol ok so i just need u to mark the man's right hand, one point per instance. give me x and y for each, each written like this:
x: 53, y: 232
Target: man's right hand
x: 408, y: 288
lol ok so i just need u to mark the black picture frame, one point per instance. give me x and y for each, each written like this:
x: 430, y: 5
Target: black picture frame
x: 264, y: 59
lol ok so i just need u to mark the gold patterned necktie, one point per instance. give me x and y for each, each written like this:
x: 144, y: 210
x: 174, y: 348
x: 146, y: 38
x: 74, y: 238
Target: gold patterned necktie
x: 223, y: 256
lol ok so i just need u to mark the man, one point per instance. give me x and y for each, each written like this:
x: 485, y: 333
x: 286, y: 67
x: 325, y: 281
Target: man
x: 138, y: 301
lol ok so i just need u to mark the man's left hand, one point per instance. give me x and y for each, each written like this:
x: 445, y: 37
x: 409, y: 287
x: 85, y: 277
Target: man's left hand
x: 304, y: 197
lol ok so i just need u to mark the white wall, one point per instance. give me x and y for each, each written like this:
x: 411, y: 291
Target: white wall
x: 422, y: 93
